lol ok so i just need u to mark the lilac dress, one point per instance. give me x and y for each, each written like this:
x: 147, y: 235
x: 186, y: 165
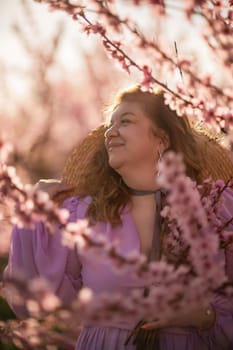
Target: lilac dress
x: 39, y: 253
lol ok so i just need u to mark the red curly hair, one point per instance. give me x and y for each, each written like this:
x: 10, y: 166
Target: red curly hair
x: 98, y: 180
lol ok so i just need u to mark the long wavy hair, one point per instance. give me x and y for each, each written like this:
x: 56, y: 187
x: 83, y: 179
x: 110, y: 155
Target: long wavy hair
x: 98, y: 180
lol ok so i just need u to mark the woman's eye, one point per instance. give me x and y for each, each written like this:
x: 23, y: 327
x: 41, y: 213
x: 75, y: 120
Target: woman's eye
x: 125, y: 121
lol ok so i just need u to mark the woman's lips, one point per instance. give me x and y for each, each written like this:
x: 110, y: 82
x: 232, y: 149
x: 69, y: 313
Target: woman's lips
x: 114, y: 145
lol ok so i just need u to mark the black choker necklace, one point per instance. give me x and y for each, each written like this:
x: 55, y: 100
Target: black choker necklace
x: 134, y: 192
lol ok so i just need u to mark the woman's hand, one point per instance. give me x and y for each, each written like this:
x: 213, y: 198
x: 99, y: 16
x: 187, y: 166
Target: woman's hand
x: 202, y: 318
x: 53, y: 187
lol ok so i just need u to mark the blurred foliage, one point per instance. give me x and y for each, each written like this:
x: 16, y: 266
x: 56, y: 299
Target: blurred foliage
x: 56, y: 108
x: 5, y: 311
x: 59, y: 104
x: 5, y: 346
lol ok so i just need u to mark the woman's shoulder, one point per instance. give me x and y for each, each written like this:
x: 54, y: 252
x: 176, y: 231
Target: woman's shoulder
x: 77, y: 206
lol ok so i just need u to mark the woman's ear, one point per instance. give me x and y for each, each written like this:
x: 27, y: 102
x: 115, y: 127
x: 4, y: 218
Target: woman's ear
x: 164, y: 141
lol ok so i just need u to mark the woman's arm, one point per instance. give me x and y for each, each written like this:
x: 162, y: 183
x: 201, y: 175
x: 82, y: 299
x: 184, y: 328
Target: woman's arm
x: 38, y: 253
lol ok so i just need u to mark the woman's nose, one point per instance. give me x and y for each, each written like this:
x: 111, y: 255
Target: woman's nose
x: 111, y: 131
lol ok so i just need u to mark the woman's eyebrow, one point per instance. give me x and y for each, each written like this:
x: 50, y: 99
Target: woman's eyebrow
x: 122, y: 115
x: 126, y: 113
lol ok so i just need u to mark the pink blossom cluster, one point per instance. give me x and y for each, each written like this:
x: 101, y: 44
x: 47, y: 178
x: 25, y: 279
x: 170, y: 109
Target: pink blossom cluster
x: 224, y: 229
x: 103, y: 308
x: 220, y: 30
x: 32, y: 206
x: 212, y: 202
x: 189, y: 283
x: 106, y: 307
x: 73, y: 7
x: 196, y: 218
x: 198, y: 229
x: 198, y: 96
x: 38, y: 334
x: 80, y: 235
x: 185, y: 209
x: 188, y: 211
x: 29, y: 205
x: 208, y: 105
x: 35, y: 295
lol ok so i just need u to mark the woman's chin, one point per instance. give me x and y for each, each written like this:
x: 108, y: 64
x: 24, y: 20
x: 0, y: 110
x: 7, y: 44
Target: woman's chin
x: 116, y: 164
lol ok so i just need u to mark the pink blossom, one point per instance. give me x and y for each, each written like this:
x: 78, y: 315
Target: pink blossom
x: 147, y: 81
x: 76, y: 233
x: 94, y: 28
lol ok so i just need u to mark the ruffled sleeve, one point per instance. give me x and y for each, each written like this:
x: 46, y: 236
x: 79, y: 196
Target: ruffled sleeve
x: 38, y: 253
x: 220, y: 336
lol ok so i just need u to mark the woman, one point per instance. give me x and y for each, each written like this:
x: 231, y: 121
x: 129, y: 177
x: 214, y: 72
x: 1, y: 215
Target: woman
x: 115, y: 186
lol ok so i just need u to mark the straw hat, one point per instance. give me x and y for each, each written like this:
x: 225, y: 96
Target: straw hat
x: 82, y: 156
x: 217, y: 161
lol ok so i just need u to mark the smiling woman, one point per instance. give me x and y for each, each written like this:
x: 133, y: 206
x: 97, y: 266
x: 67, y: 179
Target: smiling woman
x: 127, y: 150
x: 114, y: 175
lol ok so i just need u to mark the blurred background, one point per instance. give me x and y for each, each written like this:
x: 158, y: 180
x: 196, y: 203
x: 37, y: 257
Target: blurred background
x: 55, y: 82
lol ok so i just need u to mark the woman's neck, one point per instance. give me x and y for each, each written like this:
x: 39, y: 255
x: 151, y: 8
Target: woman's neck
x: 138, y: 180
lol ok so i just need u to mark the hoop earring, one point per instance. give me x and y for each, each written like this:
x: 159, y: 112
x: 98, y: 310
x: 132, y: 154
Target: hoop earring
x: 160, y: 156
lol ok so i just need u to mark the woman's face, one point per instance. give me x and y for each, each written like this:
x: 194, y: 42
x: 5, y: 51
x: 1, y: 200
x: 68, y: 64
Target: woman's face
x: 130, y: 139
